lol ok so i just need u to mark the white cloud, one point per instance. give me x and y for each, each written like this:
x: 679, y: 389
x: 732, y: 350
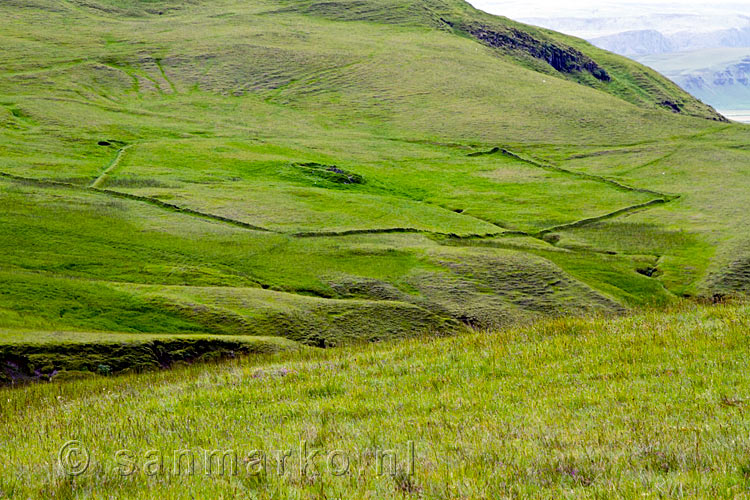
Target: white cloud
x: 622, y: 15
x: 606, y: 8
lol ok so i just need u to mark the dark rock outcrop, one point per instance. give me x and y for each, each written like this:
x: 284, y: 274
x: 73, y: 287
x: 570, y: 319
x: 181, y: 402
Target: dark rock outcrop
x: 563, y: 59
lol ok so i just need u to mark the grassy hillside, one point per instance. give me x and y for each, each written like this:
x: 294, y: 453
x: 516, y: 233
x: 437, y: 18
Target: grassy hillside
x: 650, y: 405
x: 329, y: 172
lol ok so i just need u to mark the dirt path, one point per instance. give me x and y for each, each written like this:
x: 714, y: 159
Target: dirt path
x: 611, y: 215
x: 99, y: 181
x: 662, y: 198
x: 392, y: 230
x: 580, y: 175
x: 318, y: 234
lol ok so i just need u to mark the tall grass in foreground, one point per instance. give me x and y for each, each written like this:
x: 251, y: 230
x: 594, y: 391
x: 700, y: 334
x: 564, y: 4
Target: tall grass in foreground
x: 653, y: 405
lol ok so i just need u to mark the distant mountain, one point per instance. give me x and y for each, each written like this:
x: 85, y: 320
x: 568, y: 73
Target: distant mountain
x: 636, y: 43
x: 717, y: 76
x: 650, y: 42
x: 730, y: 38
x: 707, y: 54
x: 683, y: 26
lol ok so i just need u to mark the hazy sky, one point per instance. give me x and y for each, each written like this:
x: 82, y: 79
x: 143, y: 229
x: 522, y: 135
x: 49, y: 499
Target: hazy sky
x: 593, y: 8
x: 623, y: 15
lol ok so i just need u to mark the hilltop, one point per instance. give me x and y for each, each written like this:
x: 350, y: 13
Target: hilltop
x: 321, y: 173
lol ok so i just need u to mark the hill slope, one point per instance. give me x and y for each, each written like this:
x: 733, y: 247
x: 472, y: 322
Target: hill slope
x: 333, y: 171
x: 581, y: 408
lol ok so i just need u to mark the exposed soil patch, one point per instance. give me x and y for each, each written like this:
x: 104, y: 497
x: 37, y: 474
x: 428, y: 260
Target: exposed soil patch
x: 552, y: 239
x: 24, y: 363
x: 14, y: 371
x: 137, y: 182
x: 736, y: 277
x: 671, y: 105
x: 110, y: 142
x: 484, y: 153
x: 607, y: 152
x: 330, y: 173
x: 648, y: 271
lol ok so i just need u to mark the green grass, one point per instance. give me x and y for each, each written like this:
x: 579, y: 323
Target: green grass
x: 268, y: 188
x: 93, y: 277
x: 225, y: 187
x: 307, y: 170
x: 649, y: 405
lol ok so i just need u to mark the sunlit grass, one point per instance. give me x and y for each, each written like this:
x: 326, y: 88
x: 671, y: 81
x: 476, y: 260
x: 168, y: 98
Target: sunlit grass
x: 651, y: 404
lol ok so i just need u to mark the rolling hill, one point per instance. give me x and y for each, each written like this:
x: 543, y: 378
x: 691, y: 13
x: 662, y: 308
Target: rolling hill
x: 322, y: 173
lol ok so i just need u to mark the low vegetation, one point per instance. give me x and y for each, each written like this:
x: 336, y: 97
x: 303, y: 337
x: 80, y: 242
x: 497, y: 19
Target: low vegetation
x: 462, y: 256
x: 578, y: 408
x: 335, y: 172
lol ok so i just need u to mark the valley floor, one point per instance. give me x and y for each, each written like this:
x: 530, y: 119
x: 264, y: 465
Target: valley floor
x: 650, y: 405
